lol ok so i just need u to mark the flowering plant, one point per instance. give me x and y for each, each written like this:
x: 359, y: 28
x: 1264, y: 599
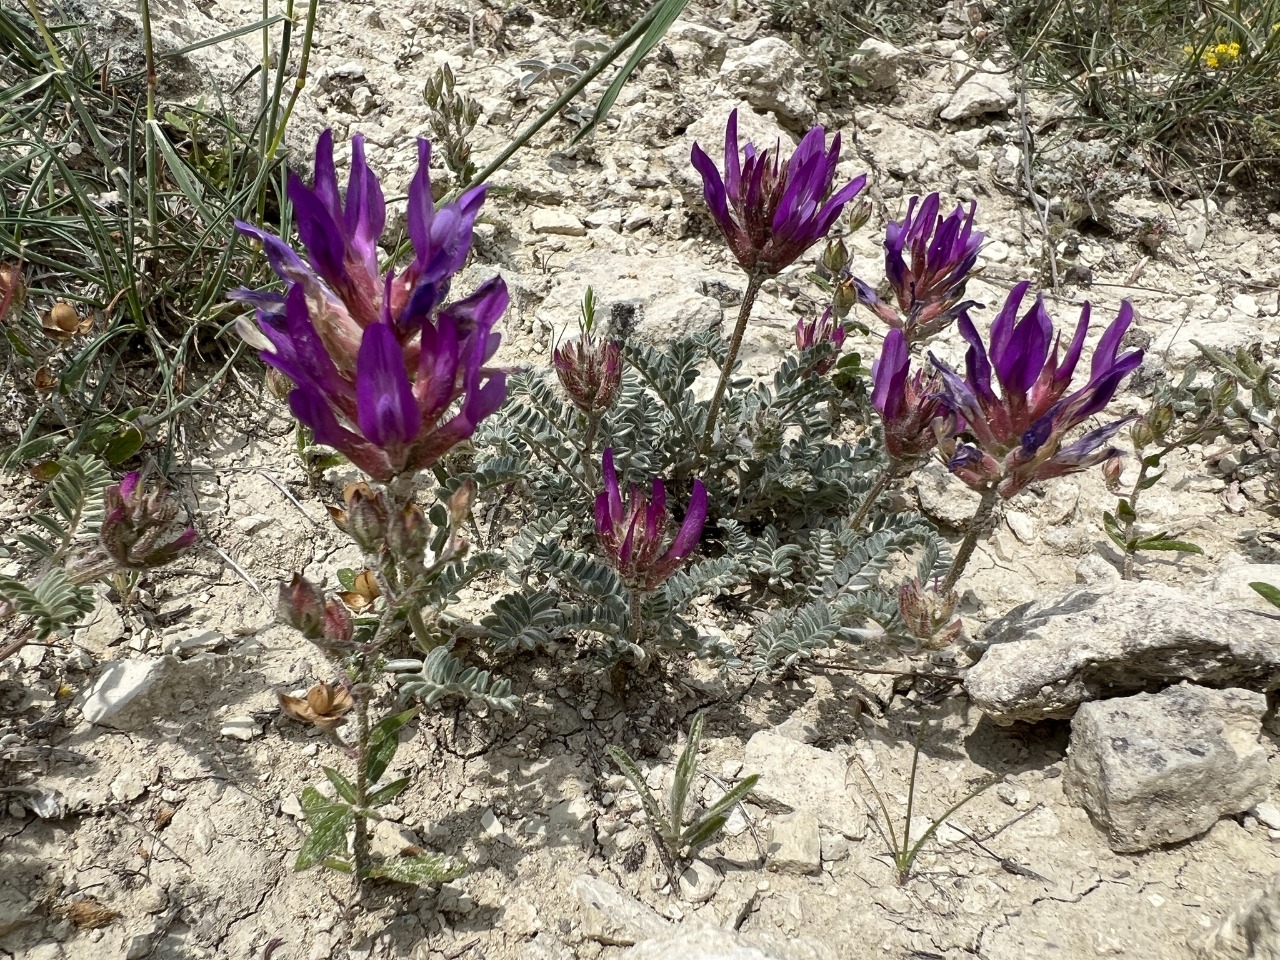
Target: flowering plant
x: 770, y: 213
x: 927, y: 262
x: 390, y: 372
x: 383, y: 368
x: 1016, y: 434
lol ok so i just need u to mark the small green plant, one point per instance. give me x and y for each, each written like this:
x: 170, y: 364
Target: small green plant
x: 453, y: 118
x: 678, y: 842
x: 903, y: 853
x: 1181, y: 414
x: 1191, y: 87
x: 354, y: 806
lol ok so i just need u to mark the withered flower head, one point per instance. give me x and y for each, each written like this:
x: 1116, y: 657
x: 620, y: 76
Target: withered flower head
x: 141, y: 528
x: 62, y: 322
x: 324, y: 705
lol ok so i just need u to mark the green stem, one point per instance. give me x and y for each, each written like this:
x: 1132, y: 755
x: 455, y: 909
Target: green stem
x: 562, y: 101
x: 754, y: 281
x: 300, y: 83
x: 360, y: 843
x: 589, y: 450
x: 1130, y: 554
x: 887, y: 476
x: 977, y: 528
x: 46, y: 36
x: 634, y: 623
x: 153, y: 210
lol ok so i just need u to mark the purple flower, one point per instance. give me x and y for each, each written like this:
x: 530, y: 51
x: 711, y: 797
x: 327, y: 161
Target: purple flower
x: 927, y: 259
x: 825, y: 329
x: 590, y: 370
x: 384, y: 370
x: 1017, y: 433
x: 140, y: 527
x: 770, y: 213
x: 908, y: 405
x: 633, y: 535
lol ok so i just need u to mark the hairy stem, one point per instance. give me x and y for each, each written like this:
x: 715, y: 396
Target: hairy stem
x: 1131, y: 553
x: 977, y: 528
x: 754, y: 282
x: 634, y: 624
x: 589, y: 450
x: 360, y: 844
x: 887, y: 476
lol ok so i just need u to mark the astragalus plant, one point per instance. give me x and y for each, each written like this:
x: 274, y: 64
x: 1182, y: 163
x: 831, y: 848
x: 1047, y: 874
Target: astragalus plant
x: 389, y: 371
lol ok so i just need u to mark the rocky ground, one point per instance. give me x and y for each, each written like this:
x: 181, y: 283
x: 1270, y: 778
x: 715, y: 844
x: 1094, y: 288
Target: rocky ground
x: 155, y: 813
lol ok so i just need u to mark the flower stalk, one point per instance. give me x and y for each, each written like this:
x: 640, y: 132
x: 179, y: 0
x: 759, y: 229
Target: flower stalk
x: 978, y: 527
x: 755, y: 280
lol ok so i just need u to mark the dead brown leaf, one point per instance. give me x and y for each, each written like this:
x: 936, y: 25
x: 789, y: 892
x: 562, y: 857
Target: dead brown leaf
x: 88, y: 914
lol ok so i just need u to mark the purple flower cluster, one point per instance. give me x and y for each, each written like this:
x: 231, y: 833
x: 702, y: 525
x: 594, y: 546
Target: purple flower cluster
x: 908, y: 405
x: 1016, y: 433
x: 590, y: 370
x: 771, y: 213
x: 140, y: 527
x: 825, y: 329
x: 634, y: 534
x: 383, y: 369
x: 927, y: 260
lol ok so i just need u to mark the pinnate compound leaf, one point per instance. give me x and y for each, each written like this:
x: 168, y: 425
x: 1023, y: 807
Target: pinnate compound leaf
x: 443, y: 675
x: 53, y: 603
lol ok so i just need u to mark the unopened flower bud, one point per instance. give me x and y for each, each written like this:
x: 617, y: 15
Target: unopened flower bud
x: 366, y: 520
x: 1161, y: 419
x: 339, y: 626
x: 859, y: 213
x: 1111, y: 471
x: 928, y: 613
x: 302, y: 607
x: 140, y: 526
x: 590, y: 370
x: 407, y: 532
x: 461, y: 501
x: 835, y: 257
x: 278, y: 385
x: 843, y: 297
x: 1141, y: 433
x: 12, y: 291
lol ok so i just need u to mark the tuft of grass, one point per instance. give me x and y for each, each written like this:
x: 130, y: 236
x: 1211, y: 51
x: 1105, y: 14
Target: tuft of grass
x: 904, y: 851
x: 678, y: 842
x: 121, y: 208
x: 1195, y: 88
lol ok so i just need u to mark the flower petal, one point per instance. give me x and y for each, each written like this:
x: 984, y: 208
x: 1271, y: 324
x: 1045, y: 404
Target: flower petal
x: 385, y: 406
